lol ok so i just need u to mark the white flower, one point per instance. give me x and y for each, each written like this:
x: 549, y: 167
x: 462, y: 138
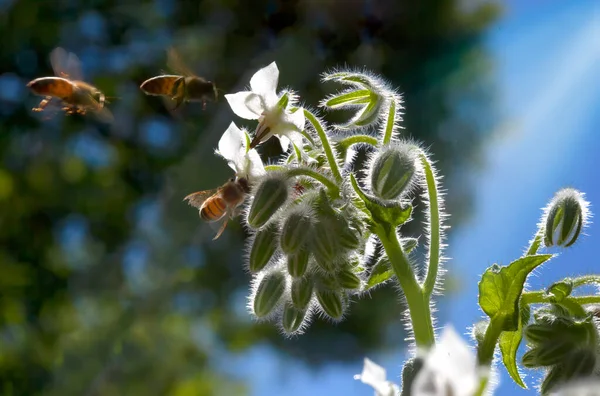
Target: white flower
x: 374, y: 375
x: 233, y: 146
x: 450, y: 368
x: 263, y: 104
x: 580, y: 387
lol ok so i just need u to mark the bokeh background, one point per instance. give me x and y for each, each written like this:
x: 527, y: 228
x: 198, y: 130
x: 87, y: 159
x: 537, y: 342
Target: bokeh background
x: 111, y: 285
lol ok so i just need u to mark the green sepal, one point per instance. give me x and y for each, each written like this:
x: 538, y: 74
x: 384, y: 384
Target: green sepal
x: 509, y: 344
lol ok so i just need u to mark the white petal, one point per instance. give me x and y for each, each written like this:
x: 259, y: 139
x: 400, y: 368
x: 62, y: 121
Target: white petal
x: 245, y: 104
x: 264, y: 83
x: 579, y: 387
x: 374, y: 375
x: 255, y: 167
x: 296, y: 118
x: 231, y: 143
x: 285, y: 143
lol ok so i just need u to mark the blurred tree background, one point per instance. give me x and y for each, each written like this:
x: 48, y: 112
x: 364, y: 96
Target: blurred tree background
x: 109, y: 283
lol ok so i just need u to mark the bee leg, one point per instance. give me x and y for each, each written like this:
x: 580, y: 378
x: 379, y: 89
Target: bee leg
x: 43, y: 104
x: 222, y: 228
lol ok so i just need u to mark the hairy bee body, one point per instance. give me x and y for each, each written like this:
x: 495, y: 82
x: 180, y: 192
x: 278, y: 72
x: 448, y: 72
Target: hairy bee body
x: 183, y: 87
x: 214, y: 205
x: 76, y: 96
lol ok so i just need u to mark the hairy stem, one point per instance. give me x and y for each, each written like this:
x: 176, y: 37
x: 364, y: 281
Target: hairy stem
x: 333, y: 165
x: 586, y: 280
x: 357, y: 139
x: 435, y: 232
x: 540, y: 297
x: 418, y: 303
x: 535, y: 243
x: 485, y: 351
x: 391, y: 120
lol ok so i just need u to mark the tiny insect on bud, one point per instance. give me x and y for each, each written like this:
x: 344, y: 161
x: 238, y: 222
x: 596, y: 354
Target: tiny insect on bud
x: 292, y: 318
x: 269, y: 293
x: 331, y: 302
x: 347, y: 279
x: 295, y: 231
x: 566, y: 215
x: 392, y: 171
x: 301, y: 291
x: 580, y: 363
x: 271, y: 194
x: 263, y: 248
x: 298, y: 263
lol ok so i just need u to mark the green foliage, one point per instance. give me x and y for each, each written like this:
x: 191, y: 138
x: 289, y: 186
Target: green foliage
x: 509, y: 343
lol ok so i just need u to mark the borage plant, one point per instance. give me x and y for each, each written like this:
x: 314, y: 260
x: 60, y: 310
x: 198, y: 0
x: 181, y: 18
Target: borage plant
x: 314, y: 225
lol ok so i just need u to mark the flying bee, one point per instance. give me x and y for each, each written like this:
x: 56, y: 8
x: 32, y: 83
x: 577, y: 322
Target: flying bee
x: 216, y: 204
x: 76, y: 96
x: 183, y: 87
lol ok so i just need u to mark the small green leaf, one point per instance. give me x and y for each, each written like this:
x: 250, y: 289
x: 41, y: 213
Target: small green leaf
x: 283, y: 101
x: 382, y: 272
x: 500, y: 289
x: 248, y: 140
x: 348, y: 98
x: 390, y: 214
x: 509, y: 344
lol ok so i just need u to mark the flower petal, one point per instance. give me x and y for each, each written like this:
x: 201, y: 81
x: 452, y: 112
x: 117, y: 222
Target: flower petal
x: 296, y: 118
x: 245, y: 104
x: 232, y: 143
x: 254, y: 168
x: 374, y: 375
x: 264, y: 83
x: 285, y: 143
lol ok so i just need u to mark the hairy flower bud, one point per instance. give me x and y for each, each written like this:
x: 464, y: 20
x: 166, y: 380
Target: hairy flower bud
x: 292, y: 318
x: 529, y: 359
x: 324, y: 245
x: 269, y: 293
x: 553, y: 378
x: 579, y: 363
x: 565, y: 216
x: 392, y: 171
x: 295, y: 231
x: 271, y: 194
x: 298, y: 263
x: 301, y: 291
x: 560, y: 290
x: 551, y: 353
x: 331, y: 302
x: 263, y: 248
x: 348, y: 279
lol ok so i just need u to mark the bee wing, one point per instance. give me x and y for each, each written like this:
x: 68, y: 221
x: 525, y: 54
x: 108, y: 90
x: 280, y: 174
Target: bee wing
x: 197, y: 199
x: 66, y: 64
x: 104, y: 115
x: 160, y: 85
x: 177, y: 65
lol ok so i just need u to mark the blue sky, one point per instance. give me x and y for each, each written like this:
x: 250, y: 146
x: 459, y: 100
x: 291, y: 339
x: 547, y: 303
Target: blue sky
x: 547, y: 55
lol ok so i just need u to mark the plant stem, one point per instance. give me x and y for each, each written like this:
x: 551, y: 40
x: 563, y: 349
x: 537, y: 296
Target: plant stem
x: 586, y: 280
x: 434, y: 227
x: 391, y: 121
x: 356, y: 139
x: 540, y: 297
x: 418, y: 303
x: 333, y: 165
x: 535, y: 243
x: 485, y: 351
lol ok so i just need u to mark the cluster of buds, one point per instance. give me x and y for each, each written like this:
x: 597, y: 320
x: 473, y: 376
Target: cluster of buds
x: 566, y: 346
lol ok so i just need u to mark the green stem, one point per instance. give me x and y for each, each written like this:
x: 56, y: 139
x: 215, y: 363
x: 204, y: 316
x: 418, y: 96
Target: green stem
x: 418, y: 303
x: 485, y: 351
x: 333, y: 165
x: 535, y: 244
x: 540, y: 297
x: 357, y: 139
x: 334, y: 190
x: 391, y: 120
x: 308, y: 137
x: 434, y: 228
x: 586, y: 280
x: 272, y: 168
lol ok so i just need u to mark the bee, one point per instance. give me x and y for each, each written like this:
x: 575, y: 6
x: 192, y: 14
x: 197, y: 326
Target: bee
x: 183, y: 87
x: 216, y: 204
x: 76, y: 96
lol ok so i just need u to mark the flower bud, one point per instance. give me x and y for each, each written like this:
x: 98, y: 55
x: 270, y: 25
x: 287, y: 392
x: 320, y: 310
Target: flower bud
x: 295, y: 231
x: 579, y: 363
x: 529, y: 359
x: 392, y: 171
x: 302, y: 290
x: 539, y: 333
x: 566, y: 215
x: 269, y: 293
x: 560, y: 290
x: 292, y: 318
x: 271, y: 194
x: 331, y: 302
x: 263, y: 248
x: 298, y: 263
x: 347, y: 279
x: 551, y: 353
x: 553, y: 378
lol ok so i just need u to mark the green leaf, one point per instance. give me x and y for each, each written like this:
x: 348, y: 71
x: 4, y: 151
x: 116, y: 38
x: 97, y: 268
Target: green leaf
x: 248, y: 141
x: 381, y: 272
x: 390, y: 214
x: 509, y: 344
x: 298, y: 153
x: 500, y: 289
x: 370, y: 112
x: 283, y: 101
x: 348, y: 98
